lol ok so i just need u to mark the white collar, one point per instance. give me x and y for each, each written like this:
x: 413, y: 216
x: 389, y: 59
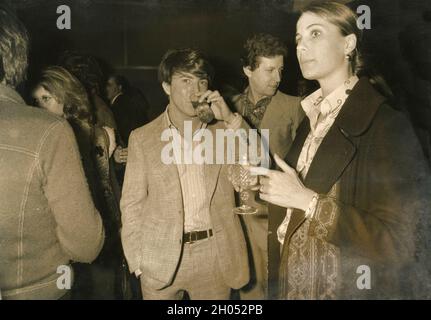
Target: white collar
x: 171, y: 125
x: 332, y: 102
x: 115, y: 98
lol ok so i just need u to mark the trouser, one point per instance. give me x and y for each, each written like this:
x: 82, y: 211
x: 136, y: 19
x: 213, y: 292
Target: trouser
x: 276, y: 217
x: 256, y: 234
x: 198, y: 275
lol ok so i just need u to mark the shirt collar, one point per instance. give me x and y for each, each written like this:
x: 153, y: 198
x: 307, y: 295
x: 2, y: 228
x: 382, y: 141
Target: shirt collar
x: 264, y: 101
x: 315, y: 103
x: 169, y: 124
x: 115, y: 98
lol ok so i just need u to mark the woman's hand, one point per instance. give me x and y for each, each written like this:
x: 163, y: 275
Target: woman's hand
x: 283, y: 188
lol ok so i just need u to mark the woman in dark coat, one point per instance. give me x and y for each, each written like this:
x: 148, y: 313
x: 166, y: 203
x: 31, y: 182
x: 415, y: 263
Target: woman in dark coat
x: 361, y: 185
x: 58, y: 91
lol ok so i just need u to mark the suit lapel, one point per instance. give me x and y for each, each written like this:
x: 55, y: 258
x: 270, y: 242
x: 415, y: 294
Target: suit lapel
x: 331, y: 159
x: 168, y: 172
x: 211, y: 171
x: 298, y: 143
x: 336, y: 150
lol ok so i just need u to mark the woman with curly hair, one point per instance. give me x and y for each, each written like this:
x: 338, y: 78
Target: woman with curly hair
x: 59, y: 92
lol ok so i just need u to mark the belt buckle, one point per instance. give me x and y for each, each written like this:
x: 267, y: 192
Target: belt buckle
x: 195, y: 234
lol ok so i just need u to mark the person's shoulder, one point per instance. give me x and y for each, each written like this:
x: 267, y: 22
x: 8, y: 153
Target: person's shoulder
x: 29, y: 128
x: 286, y: 98
x: 288, y: 106
x: 388, y: 116
x: 33, y: 118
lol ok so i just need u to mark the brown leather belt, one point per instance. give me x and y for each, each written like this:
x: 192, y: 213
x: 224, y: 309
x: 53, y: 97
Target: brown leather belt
x: 193, y: 236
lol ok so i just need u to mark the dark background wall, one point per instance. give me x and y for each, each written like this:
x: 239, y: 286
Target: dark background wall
x: 131, y: 36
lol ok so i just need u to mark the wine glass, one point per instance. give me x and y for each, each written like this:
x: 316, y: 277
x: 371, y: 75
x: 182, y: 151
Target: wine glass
x: 241, y: 177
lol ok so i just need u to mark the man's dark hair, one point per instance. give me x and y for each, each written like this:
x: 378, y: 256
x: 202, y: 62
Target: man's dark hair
x: 121, y: 81
x: 185, y: 60
x: 13, y: 48
x: 261, y: 45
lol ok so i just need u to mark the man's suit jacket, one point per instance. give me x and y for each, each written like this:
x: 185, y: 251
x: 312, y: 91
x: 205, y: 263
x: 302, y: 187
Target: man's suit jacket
x: 282, y: 117
x: 153, y: 214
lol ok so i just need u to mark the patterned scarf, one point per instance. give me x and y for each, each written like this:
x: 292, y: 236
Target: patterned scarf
x: 254, y: 113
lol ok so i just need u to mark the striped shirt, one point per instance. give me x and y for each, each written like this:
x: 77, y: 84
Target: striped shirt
x: 192, y: 178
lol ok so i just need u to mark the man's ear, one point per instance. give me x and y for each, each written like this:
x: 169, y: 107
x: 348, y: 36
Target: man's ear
x: 350, y: 43
x: 167, y: 88
x: 247, y: 71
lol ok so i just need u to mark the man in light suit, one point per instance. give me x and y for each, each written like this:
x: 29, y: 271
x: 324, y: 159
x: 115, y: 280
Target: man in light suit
x: 263, y: 106
x: 179, y: 232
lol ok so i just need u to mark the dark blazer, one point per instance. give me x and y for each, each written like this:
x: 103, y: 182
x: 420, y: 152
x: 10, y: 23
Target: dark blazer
x: 373, y: 156
x: 129, y: 114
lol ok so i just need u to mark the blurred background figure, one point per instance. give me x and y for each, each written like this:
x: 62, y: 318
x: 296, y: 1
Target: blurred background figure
x: 88, y: 71
x: 129, y: 106
x: 59, y: 92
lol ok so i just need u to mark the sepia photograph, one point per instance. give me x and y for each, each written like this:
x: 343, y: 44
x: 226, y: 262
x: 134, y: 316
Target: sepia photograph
x: 227, y: 150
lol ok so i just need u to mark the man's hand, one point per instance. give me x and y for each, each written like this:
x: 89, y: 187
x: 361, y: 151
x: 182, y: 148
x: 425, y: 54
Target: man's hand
x: 218, y: 105
x: 120, y: 155
x: 111, y: 136
x: 138, y: 273
x: 284, y: 189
